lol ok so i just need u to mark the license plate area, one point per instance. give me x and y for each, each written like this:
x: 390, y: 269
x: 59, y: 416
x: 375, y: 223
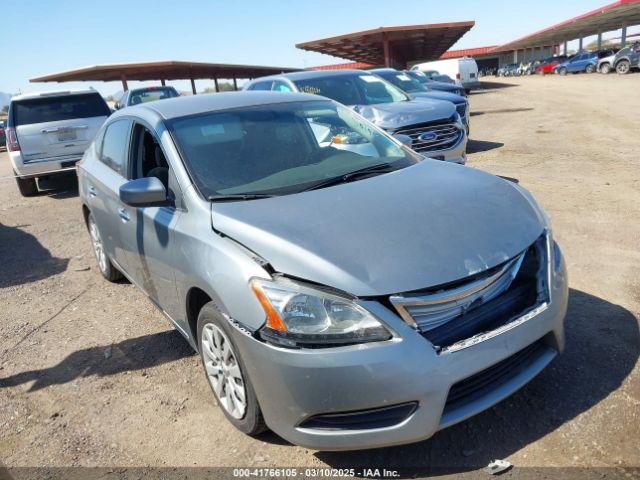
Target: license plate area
x: 66, y: 134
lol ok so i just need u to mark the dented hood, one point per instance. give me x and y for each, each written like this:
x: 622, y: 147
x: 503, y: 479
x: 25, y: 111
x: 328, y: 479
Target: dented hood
x: 394, y: 115
x: 425, y: 225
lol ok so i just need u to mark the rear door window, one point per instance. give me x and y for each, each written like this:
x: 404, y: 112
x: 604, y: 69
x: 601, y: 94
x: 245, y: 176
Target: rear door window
x: 115, y: 145
x: 53, y: 109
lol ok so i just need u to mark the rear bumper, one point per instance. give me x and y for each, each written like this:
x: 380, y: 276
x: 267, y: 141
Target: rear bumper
x: 294, y: 385
x: 42, y: 167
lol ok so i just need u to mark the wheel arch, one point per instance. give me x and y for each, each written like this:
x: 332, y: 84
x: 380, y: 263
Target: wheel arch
x: 196, y: 299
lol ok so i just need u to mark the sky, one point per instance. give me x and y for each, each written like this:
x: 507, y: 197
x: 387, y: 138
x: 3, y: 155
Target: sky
x: 46, y: 36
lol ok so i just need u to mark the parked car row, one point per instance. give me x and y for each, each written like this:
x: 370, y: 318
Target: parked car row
x: 603, y: 61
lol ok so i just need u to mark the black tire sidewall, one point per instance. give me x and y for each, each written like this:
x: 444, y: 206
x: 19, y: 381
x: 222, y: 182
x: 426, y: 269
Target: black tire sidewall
x: 252, y: 423
x: 27, y: 186
x: 623, y: 62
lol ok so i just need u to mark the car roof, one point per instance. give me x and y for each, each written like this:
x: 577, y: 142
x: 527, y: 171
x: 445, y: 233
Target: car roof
x: 310, y: 74
x: 53, y: 93
x: 211, y: 102
x: 389, y: 70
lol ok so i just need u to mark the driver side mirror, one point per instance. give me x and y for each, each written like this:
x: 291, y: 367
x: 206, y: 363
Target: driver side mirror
x: 143, y: 192
x: 404, y: 139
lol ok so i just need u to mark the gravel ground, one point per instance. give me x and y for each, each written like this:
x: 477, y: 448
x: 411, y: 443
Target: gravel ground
x: 92, y: 375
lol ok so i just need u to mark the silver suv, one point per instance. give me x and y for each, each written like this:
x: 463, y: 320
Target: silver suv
x: 339, y: 289
x: 431, y: 127
x: 47, y: 133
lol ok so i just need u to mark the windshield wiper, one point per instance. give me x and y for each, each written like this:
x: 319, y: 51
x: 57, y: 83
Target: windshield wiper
x: 347, y: 177
x: 238, y: 196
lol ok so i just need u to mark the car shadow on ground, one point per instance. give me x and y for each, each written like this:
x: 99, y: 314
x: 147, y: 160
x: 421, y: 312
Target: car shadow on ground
x: 500, y: 110
x: 23, y: 259
x: 475, y: 146
x: 133, y: 354
x: 489, y: 85
x: 602, y: 348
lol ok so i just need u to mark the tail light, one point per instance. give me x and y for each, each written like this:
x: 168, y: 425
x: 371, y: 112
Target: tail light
x: 12, y: 140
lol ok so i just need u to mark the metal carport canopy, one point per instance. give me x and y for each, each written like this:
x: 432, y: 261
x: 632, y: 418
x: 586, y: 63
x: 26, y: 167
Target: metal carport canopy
x: 163, y: 70
x: 392, y: 46
x: 609, y: 17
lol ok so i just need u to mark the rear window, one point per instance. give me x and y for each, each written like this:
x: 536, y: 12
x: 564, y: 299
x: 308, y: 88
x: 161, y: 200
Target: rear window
x: 152, y: 94
x: 53, y: 109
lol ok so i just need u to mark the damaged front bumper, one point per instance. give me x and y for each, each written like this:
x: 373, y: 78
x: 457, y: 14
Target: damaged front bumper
x: 401, y: 390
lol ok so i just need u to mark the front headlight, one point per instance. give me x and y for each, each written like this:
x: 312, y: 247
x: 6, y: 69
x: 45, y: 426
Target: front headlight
x: 299, y: 316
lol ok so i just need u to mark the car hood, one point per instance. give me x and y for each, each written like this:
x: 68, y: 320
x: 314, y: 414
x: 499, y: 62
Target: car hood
x: 391, y: 116
x: 438, y: 95
x: 421, y: 226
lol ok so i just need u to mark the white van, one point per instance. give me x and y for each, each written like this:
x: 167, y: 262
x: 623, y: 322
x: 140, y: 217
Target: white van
x: 463, y: 70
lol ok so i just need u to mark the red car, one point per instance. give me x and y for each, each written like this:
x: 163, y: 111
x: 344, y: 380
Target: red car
x: 547, y: 64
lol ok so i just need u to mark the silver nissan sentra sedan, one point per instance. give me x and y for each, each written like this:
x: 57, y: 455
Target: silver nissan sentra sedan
x: 341, y: 290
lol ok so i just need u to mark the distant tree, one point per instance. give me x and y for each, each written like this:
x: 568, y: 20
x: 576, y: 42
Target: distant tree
x: 223, y: 86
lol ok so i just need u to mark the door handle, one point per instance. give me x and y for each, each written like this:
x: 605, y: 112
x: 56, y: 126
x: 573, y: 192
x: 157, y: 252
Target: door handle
x: 92, y: 191
x: 123, y: 214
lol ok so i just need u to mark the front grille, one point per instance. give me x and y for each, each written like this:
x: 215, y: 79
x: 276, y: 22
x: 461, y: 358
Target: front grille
x: 457, y: 312
x: 479, y: 384
x: 442, y: 136
x: 461, y: 108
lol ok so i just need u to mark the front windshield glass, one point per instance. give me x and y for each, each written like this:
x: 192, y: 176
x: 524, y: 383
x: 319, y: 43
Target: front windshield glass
x: 281, y: 148
x: 403, y: 81
x: 357, y: 89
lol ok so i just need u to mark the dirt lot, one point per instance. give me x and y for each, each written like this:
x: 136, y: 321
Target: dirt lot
x: 92, y: 375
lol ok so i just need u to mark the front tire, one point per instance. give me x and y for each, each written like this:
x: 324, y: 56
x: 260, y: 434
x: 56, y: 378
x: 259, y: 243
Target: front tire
x: 590, y: 69
x: 105, y: 266
x: 623, y: 67
x: 605, y: 68
x: 562, y: 71
x: 226, y: 372
x: 27, y: 186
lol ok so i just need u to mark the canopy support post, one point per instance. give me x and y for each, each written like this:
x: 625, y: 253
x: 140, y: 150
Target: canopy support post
x: 235, y: 83
x: 162, y: 82
x: 125, y: 86
x: 387, y: 50
x: 623, y: 37
x: 580, y: 44
x: 599, y: 47
x: 215, y: 80
x: 566, y: 47
x: 193, y: 86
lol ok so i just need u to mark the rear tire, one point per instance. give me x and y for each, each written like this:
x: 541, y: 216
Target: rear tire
x: 562, y: 71
x: 105, y: 266
x: 623, y: 67
x: 590, y: 69
x: 605, y: 68
x: 226, y: 373
x: 27, y: 186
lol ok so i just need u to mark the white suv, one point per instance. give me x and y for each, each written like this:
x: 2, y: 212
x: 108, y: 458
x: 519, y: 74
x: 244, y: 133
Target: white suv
x: 47, y: 133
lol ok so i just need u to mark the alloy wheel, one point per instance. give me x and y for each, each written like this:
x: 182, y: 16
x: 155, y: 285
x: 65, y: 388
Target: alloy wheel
x: 223, y: 370
x: 98, y: 249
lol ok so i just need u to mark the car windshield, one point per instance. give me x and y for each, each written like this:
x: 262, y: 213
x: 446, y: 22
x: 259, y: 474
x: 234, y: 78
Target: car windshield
x: 280, y: 148
x: 402, y: 81
x: 53, y: 109
x: 356, y: 89
x: 152, y: 94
